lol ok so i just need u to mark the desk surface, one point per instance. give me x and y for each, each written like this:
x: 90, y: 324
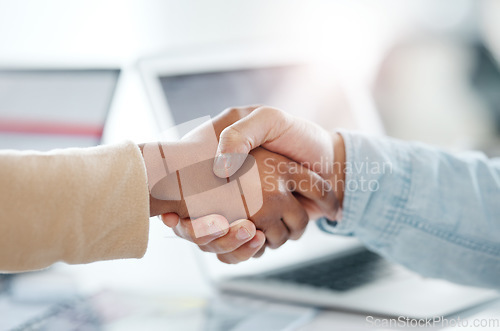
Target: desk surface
x: 488, y: 317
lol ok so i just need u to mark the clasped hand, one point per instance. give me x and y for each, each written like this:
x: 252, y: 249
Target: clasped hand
x: 297, y: 180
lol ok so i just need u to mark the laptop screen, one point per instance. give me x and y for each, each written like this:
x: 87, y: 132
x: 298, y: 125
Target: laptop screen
x: 294, y: 88
x: 216, y: 91
x: 47, y: 109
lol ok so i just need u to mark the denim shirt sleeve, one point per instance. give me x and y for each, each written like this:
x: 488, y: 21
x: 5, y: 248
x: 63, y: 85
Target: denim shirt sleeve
x: 434, y: 212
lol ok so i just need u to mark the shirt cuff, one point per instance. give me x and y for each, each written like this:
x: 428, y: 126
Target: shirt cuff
x: 376, y: 187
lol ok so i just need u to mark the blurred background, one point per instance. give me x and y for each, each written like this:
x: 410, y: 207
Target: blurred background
x: 431, y: 68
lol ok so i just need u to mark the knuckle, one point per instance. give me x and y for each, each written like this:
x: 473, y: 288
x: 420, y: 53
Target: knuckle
x: 304, y: 221
x: 238, y: 256
x: 200, y: 241
x: 205, y: 248
x: 296, y: 235
x: 260, y: 252
x: 270, y: 111
x: 223, y: 259
x: 246, y: 110
x: 276, y: 245
x: 231, y: 134
x: 301, y: 226
x: 228, y: 259
x: 251, y: 108
x: 243, y: 258
x: 299, y: 231
x: 278, y: 242
x: 226, y: 244
x: 231, y: 111
x: 261, y: 222
x: 222, y: 246
x: 273, y: 197
x: 239, y: 112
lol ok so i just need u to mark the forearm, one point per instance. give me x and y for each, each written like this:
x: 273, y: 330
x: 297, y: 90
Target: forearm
x: 75, y: 205
x: 432, y: 211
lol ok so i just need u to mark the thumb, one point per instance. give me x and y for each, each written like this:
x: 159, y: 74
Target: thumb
x: 263, y: 125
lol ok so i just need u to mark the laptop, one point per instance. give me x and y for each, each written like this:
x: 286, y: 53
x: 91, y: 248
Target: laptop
x: 44, y: 109
x: 319, y: 269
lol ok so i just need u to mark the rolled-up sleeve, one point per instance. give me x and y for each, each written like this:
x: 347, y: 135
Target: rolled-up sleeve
x: 434, y: 212
x: 73, y: 205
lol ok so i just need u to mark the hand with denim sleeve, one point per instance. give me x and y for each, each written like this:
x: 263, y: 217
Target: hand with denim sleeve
x: 246, y: 128
x: 300, y: 140
x: 433, y: 211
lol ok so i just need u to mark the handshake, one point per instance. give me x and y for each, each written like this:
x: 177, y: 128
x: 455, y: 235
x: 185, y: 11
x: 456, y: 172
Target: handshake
x: 251, y: 178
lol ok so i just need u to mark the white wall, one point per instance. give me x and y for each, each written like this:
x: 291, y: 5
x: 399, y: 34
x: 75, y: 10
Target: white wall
x: 119, y: 31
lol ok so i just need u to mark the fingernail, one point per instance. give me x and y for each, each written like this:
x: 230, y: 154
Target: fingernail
x: 226, y: 164
x: 222, y: 163
x: 242, y: 234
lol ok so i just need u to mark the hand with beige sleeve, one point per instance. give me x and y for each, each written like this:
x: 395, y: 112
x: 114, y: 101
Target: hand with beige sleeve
x: 93, y: 204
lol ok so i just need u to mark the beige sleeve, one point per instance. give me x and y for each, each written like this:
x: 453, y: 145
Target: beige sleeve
x: 73, y: 205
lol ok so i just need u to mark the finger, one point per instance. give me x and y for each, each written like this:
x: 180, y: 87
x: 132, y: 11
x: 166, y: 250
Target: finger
x: 171, y: 219
x: 262, y: 125
x: 312, y: 209
x: 312, y: 186
x: 246, y: 251
x: 229, y: 116
x: 260, y: 252
x: 203, y: 230
x: 240, y: 232
x: 277, y: 234
x: 295, y: 218
x: 270, y: 221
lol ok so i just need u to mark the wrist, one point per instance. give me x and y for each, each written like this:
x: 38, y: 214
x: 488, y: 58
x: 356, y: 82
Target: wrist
x: 160, y: 207
x: 338, y: 175
x: 157, y: 206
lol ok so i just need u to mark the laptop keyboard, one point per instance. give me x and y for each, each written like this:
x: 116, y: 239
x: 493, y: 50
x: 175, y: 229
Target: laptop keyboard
x: 339, y: 273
